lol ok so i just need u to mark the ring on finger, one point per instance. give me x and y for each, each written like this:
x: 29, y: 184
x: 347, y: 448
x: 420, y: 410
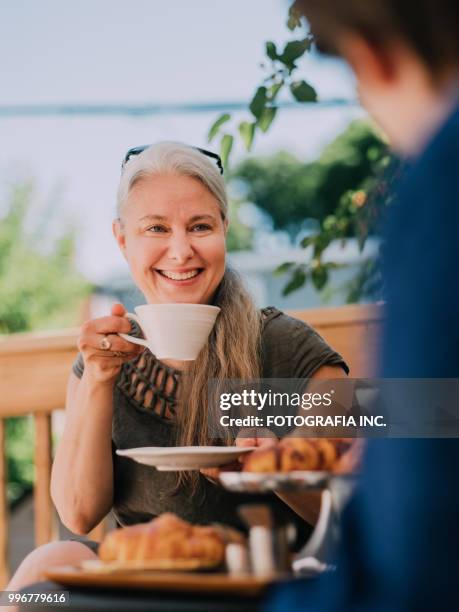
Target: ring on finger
x: 105, y: 344
x: 118, y: 354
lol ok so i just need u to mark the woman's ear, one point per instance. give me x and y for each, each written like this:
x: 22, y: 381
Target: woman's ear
x: 225, y: 226
x: 120, y: 236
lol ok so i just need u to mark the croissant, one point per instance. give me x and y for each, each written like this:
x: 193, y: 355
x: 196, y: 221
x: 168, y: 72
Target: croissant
x: 298, y: 454
x: 166, y: 537
x: 293, y: 454
x: 264, y: 460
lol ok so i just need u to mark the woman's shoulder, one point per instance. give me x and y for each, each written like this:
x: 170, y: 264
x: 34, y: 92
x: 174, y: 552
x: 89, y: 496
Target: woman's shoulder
x: 277, y: 323
x: 291, y: 348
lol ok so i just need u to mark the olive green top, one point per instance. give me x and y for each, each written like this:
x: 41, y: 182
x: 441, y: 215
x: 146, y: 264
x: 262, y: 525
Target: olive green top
x: 144, y: 407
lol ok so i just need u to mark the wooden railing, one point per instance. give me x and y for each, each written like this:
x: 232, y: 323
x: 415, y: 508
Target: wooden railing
x: 34, y: 369
x: 352, y: 330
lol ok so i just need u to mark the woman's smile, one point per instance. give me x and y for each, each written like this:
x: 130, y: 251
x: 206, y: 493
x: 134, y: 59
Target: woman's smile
x: 181, y: 277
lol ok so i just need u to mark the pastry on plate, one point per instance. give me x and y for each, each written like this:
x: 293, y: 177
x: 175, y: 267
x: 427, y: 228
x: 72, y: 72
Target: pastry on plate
x: 165, y: 538
x: 305, y: 454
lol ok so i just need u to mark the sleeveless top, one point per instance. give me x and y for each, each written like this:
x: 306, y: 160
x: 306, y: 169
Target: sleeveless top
x: 144, y: 406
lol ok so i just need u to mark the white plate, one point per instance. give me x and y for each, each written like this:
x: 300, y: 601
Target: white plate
x: 258, y: 482
x: 179, y: 565
x: 184, y: 457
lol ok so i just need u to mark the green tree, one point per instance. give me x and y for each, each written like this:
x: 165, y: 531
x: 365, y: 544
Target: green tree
x: 291, y: 191
x: 39, y: 287
x: 350, y: 180
x: 239, y: 237
x: 38, y: 279
x: 280, y: 67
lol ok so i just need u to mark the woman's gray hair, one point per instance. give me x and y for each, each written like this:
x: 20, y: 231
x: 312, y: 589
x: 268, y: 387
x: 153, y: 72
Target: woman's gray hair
x: 172, y: 158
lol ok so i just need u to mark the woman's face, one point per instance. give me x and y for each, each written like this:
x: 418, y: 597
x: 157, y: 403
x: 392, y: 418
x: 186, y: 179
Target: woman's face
x: 173, y: 238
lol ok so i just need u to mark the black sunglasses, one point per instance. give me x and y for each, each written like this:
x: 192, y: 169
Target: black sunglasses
x: 139, y: 150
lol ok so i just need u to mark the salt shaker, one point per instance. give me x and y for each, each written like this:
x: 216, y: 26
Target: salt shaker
x: 237, y: 559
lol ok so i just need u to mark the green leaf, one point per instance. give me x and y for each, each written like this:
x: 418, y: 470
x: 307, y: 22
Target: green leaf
x: 303, y: 92
x: 294, y: 50
x: 216, y: 126
x: 321, y: 242
x: 283, y: 268
x: 267, y: 117
x: 247, y: 131
x: 258, y: 102
x: 298, y: 280
x: 226, y: 144
x: 329, y: 223
x: 271, y: 50
x: 307, y: 241
x: 274, y: 90
x: 319, y: 277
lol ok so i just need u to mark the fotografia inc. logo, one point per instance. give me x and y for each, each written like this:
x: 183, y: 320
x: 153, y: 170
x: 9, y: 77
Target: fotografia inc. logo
x: 275, y: 399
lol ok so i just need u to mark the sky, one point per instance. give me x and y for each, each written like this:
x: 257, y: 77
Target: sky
x: 144, y: 51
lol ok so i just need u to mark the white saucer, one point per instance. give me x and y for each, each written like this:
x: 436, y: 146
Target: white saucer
x: 184, y: 457
x: 260, y: 482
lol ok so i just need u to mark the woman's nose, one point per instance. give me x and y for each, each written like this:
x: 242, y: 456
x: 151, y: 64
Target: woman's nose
x: 180, y: 249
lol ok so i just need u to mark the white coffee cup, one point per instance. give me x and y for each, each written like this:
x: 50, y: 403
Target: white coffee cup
x: 174, y: 331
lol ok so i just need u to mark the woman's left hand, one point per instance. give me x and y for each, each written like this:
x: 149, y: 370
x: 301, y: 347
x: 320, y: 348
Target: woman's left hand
x: 267, y: 439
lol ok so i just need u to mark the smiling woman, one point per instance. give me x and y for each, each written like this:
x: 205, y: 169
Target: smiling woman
x: 171, y: 228
x: 172, y: 233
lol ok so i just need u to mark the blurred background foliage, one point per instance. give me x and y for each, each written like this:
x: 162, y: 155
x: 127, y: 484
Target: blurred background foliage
x: 240, y: 236
x: 294, y: 193
x: 39, y: 288
x: 343, y: 194
x: 39, y: 284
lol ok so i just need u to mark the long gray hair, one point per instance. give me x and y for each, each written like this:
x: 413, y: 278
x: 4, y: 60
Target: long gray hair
x: 233, y: 348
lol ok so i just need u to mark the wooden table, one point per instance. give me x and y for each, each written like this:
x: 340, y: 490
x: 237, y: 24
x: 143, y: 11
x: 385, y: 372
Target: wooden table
x: 86, y: 600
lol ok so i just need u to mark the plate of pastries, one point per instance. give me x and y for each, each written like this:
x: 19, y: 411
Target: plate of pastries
x: 296, y: 463
x: 167, y: 553
x: 167, y: 542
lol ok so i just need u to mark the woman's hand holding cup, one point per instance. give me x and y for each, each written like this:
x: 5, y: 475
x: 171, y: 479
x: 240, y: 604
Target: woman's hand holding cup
x: 104, y: 352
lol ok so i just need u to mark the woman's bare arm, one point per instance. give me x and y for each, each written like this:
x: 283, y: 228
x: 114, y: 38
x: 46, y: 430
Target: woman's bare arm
x: 82, y: 474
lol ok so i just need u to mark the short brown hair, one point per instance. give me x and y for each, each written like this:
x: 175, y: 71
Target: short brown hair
x: 429, y: 27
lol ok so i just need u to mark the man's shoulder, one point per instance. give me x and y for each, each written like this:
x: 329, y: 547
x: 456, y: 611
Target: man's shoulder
x: 436, y: 168
x: 428, y: 193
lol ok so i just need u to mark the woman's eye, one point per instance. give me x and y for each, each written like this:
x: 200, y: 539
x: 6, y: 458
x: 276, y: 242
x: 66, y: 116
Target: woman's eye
x: 156, y: 229
x: 201, y: 227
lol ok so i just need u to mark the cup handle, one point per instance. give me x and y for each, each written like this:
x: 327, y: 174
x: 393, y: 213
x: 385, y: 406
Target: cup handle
x: 133, y: 339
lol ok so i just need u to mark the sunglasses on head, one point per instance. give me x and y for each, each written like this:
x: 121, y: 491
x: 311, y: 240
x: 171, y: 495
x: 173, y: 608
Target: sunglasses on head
x: 137, y: 150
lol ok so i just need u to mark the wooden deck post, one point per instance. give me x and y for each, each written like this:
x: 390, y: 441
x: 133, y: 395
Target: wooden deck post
x: 4, y: 572
x: 45, y: 523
